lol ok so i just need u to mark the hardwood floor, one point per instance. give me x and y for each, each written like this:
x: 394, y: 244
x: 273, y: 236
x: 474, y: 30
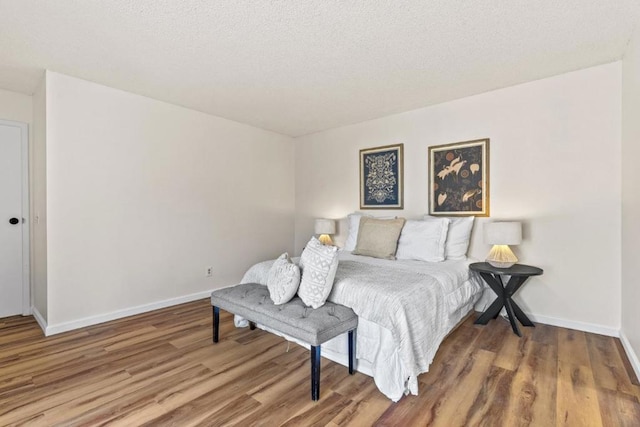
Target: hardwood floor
x: 161, y: 368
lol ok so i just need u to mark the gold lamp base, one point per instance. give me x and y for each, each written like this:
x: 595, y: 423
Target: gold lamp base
x: 501, y: 256
x: 325, y: 239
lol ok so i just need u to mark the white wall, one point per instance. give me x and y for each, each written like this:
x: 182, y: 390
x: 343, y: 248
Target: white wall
x: 142, y: 196
x: 38, y: 190
x: 631, y: 200
x: 554, y: 164
x: 15, y: 106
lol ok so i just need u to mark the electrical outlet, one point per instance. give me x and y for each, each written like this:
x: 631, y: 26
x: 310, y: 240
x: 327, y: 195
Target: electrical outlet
x: 209, y: 271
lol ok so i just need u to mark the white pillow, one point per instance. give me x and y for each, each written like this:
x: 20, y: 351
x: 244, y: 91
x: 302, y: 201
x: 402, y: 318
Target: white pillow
x: 352, y: 237
x: 283, y: 280
x: 423, y: 240
x: 458, y: 236
x: 318, y: 264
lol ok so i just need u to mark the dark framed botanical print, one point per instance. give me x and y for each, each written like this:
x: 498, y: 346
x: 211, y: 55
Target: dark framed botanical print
x: 381, y: 177
x: 459, y: 178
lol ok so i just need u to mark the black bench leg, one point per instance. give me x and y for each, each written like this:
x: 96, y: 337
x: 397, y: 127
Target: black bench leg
x: 216, y: 322
x: 352, y: 351
x: 315, y: 372
x: 252, y: 326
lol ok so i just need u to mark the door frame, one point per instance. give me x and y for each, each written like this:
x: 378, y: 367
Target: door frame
x: 26, y: 221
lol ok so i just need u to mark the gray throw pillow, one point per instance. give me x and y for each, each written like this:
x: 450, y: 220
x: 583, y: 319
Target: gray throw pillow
x: 318, y: 264
x: 378, y: 238
x: 283, y: 280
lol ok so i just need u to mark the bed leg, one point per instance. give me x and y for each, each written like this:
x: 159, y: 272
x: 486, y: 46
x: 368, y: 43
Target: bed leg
x: 216, y: 322
x: 252, y: 325
x: 315, y: 372
x: 352, y: 351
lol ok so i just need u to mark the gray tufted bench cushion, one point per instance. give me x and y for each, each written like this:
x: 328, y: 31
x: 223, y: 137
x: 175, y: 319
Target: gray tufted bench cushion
x: 313, y: 326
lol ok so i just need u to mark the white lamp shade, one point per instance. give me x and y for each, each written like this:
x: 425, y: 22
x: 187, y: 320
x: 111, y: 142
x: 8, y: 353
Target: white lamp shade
x: 503, y: 233
x: 325, y: 226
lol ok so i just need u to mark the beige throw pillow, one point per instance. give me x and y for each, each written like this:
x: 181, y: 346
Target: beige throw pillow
x: 378, y: 238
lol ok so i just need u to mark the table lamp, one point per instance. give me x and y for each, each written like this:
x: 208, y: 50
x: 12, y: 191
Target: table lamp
x: 325, y: 227
x: 501, y: 235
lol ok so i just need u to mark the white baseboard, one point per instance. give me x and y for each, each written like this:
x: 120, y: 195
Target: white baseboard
x: 631, y: 354
x: 40, y: 319
x: 119, y: 314
x: 572, y: 324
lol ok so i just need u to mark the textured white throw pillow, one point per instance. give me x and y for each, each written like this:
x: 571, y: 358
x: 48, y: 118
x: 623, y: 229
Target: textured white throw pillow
x: 423, y: 240
x: 283, y: 280
x: 458, y: 236
x: 318, y: 264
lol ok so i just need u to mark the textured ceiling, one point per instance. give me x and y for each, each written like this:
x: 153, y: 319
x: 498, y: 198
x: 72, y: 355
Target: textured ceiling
x: 302, y: 66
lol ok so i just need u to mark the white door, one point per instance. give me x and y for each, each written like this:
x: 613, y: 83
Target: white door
x: 11, y: 218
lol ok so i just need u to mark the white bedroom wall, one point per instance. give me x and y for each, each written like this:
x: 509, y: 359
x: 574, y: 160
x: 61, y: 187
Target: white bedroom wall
x: 630, y: 333
x: 15, y: 106
x: 555, y: 161
x: 143, y: 195
x: 38, y: 186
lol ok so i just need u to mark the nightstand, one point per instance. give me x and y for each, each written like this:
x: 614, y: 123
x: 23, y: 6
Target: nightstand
x: 519, y: 274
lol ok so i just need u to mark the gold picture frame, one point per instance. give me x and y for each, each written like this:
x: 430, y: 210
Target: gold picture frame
x: 382, y: 177
x: 459, y: 179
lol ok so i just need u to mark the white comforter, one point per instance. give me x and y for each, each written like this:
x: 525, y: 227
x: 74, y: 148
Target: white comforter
x: 417, y: 303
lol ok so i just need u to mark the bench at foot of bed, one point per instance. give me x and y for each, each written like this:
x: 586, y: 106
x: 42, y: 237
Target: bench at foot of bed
x: 312, y: 326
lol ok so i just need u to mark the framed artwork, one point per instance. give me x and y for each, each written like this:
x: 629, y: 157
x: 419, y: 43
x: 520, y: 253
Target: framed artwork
x: 381, y: 177
x: 459, y: 179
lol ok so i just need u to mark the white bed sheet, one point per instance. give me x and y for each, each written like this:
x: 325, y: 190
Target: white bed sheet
x: 395, y: 351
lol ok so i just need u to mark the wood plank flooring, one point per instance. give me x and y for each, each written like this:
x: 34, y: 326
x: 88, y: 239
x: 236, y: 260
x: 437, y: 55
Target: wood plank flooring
x: 160, y: 368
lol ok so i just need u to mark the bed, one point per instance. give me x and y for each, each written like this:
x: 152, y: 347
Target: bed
x: 405, y: 309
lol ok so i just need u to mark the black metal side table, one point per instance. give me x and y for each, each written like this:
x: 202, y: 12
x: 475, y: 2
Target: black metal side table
x: 519, y: 274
